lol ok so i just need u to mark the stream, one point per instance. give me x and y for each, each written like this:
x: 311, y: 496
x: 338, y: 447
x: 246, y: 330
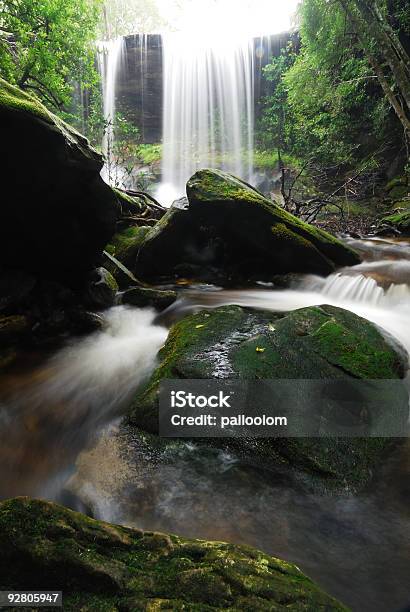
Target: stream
x: 62, y: 439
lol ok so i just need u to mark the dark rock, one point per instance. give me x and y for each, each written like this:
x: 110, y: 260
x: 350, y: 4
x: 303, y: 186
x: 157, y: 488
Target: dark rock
x: 312, y: 343
x: 85, y: 322
x: 231, y: 226
x: 101, y: 289
x: 13, y: 327
x: 144, y: 297
x: 60, y: 214
x: 15, y: 286
x: 120, y: 272
x: 102, y: 566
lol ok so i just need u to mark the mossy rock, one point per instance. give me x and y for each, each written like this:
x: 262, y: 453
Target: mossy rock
x: 229, y: 226
x: 311, y: 343
x: 61, y: 213
x: 100, y: 566
x: 397, y: 188
x: 101, y: 289
x: 125, y: 244
x: 145, y: 297
x: 399, y: 221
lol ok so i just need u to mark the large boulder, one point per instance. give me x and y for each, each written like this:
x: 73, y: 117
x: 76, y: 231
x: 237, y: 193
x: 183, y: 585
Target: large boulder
x: 227, y: 228
x: 99, y: 566
x: 311, y: 343
x: 399, y: 221
x: 58, y: 213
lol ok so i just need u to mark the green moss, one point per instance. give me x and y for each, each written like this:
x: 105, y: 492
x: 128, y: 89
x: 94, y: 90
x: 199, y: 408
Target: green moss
x: 396, y: 181
x: 312, y: 344
x: 107, y: 567
x: 124, y: 246
x: 399, y: 220
x: 148, y: 297
x: 358, y: 354
x: 397, y: 188
x: 213, y: 186
x: 14, y: 99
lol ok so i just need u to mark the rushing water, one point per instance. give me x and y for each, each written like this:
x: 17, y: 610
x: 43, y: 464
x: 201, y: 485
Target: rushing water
x: 208, y: 106
x: 62, y: 439
x: 49, y: 414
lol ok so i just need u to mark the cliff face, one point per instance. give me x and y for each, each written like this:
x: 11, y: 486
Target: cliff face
x: 140, y: 84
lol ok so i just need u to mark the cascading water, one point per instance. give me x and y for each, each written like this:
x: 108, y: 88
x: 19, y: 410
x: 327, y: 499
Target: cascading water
x: 142, y: 45
x: 208, y: 112
x: 111, y: 58
x: 48, y: 416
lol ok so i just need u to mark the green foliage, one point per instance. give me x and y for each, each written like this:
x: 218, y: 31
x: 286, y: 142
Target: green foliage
x: 277, y: 120
x: 122, y: 17
x: 149, y: 153
x: 326, y: 103
x: 45, y: 46
x: 338, y: 108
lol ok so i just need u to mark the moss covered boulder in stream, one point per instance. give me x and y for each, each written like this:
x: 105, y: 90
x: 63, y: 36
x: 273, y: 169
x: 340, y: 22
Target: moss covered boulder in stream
x: 228, y: 229
x: 399, y: 221
x: 100, y: 566
x: 59, y: 213
x: 323, y: 343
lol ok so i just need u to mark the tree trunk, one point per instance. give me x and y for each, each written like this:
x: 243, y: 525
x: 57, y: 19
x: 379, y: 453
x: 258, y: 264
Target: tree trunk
x: 374, y: 32
x: 388, y: 44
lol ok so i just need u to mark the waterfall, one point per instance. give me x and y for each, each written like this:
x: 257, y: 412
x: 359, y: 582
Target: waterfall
x: 208, y: 106
x: 142, y: 45
x: 111, y: 58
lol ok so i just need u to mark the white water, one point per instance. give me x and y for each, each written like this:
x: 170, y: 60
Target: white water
x: 50, y: 415
x: 48, y: 418
x: 208, y: 113
x: 389, y: 309
x: 111, y: 57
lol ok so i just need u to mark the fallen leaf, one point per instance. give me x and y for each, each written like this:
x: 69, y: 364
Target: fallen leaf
x: 260, y: 350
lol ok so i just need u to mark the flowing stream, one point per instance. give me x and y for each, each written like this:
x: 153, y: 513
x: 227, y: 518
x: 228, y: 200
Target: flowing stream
x: 62, y: 439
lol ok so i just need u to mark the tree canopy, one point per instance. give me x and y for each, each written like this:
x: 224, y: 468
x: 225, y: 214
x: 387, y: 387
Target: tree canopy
x: 337, y: 94
x: 47, y: 45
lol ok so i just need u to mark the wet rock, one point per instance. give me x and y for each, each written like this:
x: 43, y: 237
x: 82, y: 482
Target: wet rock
x: 125, y: 244
x: 399, y: 222
x: 311, y: 343
x: 228, y: 225
x: 120, y: 272
x: 101, y: 289
x: 13, y: 327
x: 103, y: 566
x: 61, y: 213
x: 85, y: 322
x: 146, y: 297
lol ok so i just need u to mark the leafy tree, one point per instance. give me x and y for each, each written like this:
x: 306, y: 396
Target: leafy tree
x: 339, y: 112
x: 277, y: 118
x: 46, y: 45
x: 384, y: 51
x: 123, y: 17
